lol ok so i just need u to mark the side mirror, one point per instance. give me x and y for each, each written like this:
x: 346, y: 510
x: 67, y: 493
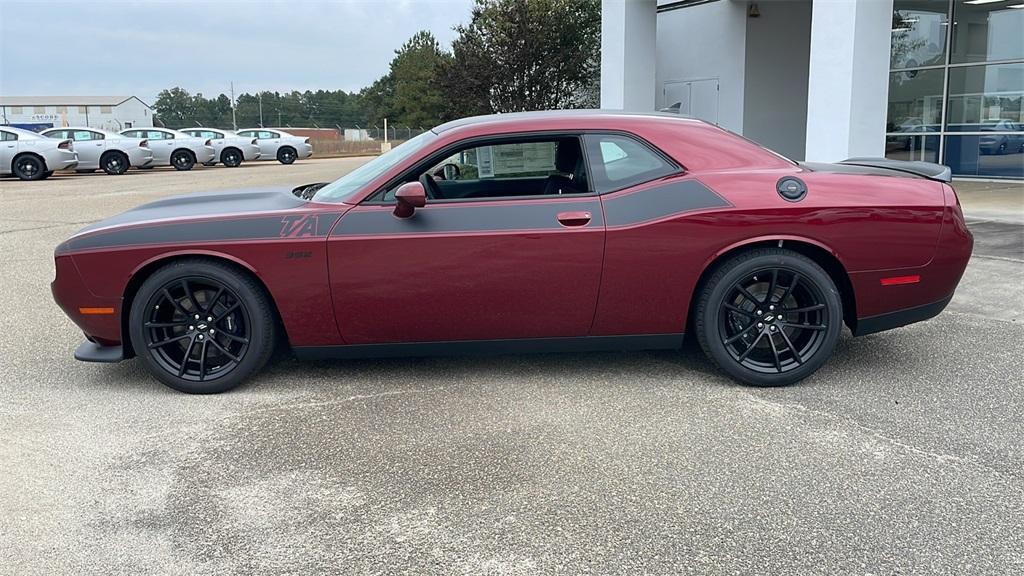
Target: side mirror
x: 408, y: 198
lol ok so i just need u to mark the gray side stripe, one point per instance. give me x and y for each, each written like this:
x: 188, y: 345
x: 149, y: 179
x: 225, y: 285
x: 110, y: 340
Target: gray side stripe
x: 284, y: 227
x: 480, y: 218
x: 660, y: 202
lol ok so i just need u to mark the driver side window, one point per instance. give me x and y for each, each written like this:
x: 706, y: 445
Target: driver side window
x: 517, y: 167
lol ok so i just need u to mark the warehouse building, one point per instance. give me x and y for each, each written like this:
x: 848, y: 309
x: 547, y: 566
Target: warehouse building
x: 825, y: 80
x: 106, y: 112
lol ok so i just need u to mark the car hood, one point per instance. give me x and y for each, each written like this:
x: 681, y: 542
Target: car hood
x: 235, y: 215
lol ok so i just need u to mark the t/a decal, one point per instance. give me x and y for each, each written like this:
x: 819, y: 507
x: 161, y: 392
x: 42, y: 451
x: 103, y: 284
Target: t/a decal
x: 298, y: 226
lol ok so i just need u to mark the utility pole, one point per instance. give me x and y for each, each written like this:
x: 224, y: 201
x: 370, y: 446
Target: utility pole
x: 234, y: 123
x: 278, y: 112
x: 260, y: 95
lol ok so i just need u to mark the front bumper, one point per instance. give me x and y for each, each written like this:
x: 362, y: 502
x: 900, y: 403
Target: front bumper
x: 66, y: 160
x: 140, y: 157
x: 206, y: 154
x: 251, y: 152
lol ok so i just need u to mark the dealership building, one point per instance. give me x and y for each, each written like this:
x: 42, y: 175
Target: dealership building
x: 105, y: 112
x: 825, y: 80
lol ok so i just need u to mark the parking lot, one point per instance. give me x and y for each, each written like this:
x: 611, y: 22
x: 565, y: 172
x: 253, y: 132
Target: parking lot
x: 903, y: 455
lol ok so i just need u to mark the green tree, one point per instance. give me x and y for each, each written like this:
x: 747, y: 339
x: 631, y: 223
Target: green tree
x: 412, y: 92
x: 175, y: 108
x: 526, y: 55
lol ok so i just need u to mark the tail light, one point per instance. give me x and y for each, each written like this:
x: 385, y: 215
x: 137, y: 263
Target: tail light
x: 65, y: 145
x: 144, y: 144
x: 306, y: 141
x: 253, y: 141
x: 208, y: 142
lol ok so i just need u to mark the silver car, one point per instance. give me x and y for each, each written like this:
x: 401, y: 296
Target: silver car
x: 30, y: 156
x: 229, y: 148
x: 174, y: 148
x: 279, y: 145
x: 112, y: 152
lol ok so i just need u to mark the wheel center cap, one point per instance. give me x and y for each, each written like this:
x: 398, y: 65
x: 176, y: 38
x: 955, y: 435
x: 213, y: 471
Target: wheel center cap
x: 769, y: 318
x: 201, y: 326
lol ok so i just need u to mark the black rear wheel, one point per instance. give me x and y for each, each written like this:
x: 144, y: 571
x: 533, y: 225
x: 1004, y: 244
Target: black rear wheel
x: 769, y: 317
x: 231, y: 157
x: 183, y: 160
x: 114, y: 163
x: 201, y: 327
x: 29, y: 167
x: 286, y: 155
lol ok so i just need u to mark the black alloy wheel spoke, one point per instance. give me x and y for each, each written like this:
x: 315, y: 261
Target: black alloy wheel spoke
x: 165, y: 324
x: 213, y: 302
x: 196, y: 308
x: 771, y: 286
x: 171, y: 340
x: 789, y: 289
x: 224, y: 351
x: 739, y: 334
x: 235, y: 338
x: 174, y: 301
x: 751, y: 348
x: 202, y: 361
x: 816, y: 327
x: 746, y: 294
x: 185, y: 358
x: 226, y: 312
x: 775, y: 353
x: 804, y: 309
x: 792, y: 349
x: 739, y: 310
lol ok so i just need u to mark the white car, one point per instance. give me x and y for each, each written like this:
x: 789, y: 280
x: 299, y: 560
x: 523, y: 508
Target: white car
x: 230, y: 149
x: 30, y: 156
x: 279, y: 145
x: 112, y: 152
x: 174, y: 148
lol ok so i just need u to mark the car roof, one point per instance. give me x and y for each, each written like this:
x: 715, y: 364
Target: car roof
x: 584, y: 119
x: 100, y: 130
x: 22, y: 131
x: 281, y: 130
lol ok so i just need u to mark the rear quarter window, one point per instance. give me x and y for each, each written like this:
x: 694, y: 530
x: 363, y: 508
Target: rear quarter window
x: 619, y: 161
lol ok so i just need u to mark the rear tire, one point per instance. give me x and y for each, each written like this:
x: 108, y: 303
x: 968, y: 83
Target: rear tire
x: 769, y: 317
x: 29, y: 167
x: 115, y: 163
x: 231, y: 157
x: 183, y: 160
x: 201, y: 327
x: 286, y: 155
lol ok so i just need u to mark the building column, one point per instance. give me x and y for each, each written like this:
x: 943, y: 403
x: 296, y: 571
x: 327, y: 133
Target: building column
x: 628, y: 29
x: 848, y: 80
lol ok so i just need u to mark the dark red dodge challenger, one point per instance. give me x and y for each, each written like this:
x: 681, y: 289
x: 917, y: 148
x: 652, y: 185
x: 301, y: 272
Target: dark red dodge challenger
x: 539, y: 231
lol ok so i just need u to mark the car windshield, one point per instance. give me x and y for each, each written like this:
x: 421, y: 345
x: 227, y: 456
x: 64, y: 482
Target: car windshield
x: 342, y: 189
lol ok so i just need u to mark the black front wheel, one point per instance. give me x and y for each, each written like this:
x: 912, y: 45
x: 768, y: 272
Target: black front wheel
x: 29, y: 167
x: 286, y: 155
x: 769, y: 317
x: 183, y: 160
x: 201, y: 327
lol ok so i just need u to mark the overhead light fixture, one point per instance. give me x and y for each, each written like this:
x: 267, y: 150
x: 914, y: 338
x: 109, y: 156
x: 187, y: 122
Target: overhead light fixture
x: 982, y: 1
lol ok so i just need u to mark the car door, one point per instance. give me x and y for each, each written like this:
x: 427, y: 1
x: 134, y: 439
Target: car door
x: 494, y: 268
x: 90, y: 146
x: 268, y: 142
x: 8, y: 149
x: 162, y: 144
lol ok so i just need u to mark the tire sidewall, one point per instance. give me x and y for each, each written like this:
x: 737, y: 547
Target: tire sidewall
x: 733, y: 272
x: 261, y: 338
x: 231, y: 158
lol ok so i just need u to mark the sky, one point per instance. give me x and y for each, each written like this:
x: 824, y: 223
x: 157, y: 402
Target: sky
x: 137, y: 48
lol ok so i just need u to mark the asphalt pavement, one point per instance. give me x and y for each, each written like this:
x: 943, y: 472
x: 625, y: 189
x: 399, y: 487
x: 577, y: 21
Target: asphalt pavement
x: 903, y: 455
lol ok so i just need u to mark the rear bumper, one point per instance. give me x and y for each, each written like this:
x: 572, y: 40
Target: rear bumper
x: 890, y: 320
x: 140, y: 157
x: 206, y: 154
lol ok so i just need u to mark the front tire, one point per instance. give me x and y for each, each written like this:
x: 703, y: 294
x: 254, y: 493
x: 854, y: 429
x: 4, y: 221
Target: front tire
x: 287, y: 155
x: 183, y: 160
x: 769, y: 317
x: 114, y: 163
x: 231, y: 157
x: 29, y: 167
x: 201, y: 327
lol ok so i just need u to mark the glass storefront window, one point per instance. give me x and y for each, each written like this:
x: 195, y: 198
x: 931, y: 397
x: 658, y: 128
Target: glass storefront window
x: 915, y: 101
x: 985, y: 98
x: 918, y: 33
x: 998, y: 155
x: 902, y: 147
x: 984, y: 32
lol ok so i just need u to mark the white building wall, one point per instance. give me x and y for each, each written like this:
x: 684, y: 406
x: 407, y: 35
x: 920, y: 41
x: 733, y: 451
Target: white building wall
x: 132, y: 111
x: 778, y: 48
x: 627, y: 54
x: 706, y: 41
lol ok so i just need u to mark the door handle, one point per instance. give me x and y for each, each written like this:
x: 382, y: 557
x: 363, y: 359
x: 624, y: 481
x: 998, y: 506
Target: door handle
x: 574, y: 218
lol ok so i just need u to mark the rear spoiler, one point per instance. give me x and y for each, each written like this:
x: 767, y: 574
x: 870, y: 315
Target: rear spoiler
x: 927, y: 170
